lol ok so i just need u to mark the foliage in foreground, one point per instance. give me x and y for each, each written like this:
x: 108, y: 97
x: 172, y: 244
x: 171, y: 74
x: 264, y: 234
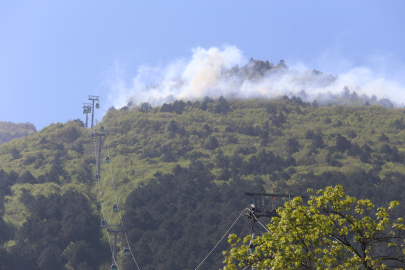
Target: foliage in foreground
x: 331, y: 231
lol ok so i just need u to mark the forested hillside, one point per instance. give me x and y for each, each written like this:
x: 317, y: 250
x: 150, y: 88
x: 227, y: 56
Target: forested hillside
x: 180, y: 172
x: 9, y: 131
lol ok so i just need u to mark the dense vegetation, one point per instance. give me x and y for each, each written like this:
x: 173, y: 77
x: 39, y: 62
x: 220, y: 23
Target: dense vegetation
x: 183, y: 168
x: 9, y: 131
x: 176, y: 219
x: 331, y: 231
x: 59, y: 230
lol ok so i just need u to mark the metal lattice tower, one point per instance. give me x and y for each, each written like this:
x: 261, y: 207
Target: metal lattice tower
x: 86, y: 110
x: 93, y: 98
x: 116, y: 228
x: 99, y: 149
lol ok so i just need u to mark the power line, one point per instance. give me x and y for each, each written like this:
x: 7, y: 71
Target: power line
x: 220, y: 240
x: 257, y: 219
x: 99, y: 192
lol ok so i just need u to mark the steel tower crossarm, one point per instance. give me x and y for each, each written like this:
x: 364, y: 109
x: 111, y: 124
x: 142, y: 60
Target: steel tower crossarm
x: 273, y: 195
x: 116, y: 228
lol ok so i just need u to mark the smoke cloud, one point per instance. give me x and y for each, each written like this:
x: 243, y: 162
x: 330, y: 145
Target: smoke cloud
x: 216, y: 72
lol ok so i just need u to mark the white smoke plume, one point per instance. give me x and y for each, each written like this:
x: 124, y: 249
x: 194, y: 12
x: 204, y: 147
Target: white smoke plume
x: 215, y: 72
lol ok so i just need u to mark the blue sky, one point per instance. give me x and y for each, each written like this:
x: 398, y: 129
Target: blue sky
x: 55, y: 53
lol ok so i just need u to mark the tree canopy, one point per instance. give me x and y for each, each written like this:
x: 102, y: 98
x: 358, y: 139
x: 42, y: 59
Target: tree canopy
x: 174, y: 221
x: 330, y: 231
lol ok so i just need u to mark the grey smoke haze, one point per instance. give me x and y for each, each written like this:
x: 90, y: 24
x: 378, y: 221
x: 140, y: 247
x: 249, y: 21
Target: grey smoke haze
x: 207, y: 74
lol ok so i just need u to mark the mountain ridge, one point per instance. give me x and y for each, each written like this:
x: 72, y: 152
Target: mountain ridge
x: 284, y: 143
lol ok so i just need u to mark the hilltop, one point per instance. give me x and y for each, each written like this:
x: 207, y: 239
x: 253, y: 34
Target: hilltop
x: 10, y: 131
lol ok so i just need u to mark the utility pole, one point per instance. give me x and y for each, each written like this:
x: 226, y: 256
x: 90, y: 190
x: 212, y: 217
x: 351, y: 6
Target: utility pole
x: 86, y: 110
x: 93, y: 98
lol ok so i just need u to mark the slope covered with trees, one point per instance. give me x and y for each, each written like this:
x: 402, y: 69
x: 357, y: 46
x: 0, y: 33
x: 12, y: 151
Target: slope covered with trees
x: 180, y: 172
x: 9, y: 131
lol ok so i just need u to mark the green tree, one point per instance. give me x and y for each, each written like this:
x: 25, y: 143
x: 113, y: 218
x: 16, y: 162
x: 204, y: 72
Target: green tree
x: 292, y: 146
x: 331, y: 231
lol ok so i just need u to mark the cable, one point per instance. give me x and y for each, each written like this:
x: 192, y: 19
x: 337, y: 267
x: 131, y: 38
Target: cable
x: 259, y: 223
x: 108, y: 234
x: 257, y: 219
x: 220, y: 240
x: 116, y: 201
x: 99, y: 192
x: 101, y: 201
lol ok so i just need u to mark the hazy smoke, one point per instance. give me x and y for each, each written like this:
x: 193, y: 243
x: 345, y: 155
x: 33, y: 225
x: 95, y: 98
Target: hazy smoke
x: 215, y: 72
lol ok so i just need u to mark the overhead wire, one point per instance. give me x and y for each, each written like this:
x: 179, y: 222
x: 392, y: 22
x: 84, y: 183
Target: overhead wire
x: 220, y: 240
x: 99, y: 192
x: 116, y: 201
x: 257, y: 220
x: 259, y: 223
